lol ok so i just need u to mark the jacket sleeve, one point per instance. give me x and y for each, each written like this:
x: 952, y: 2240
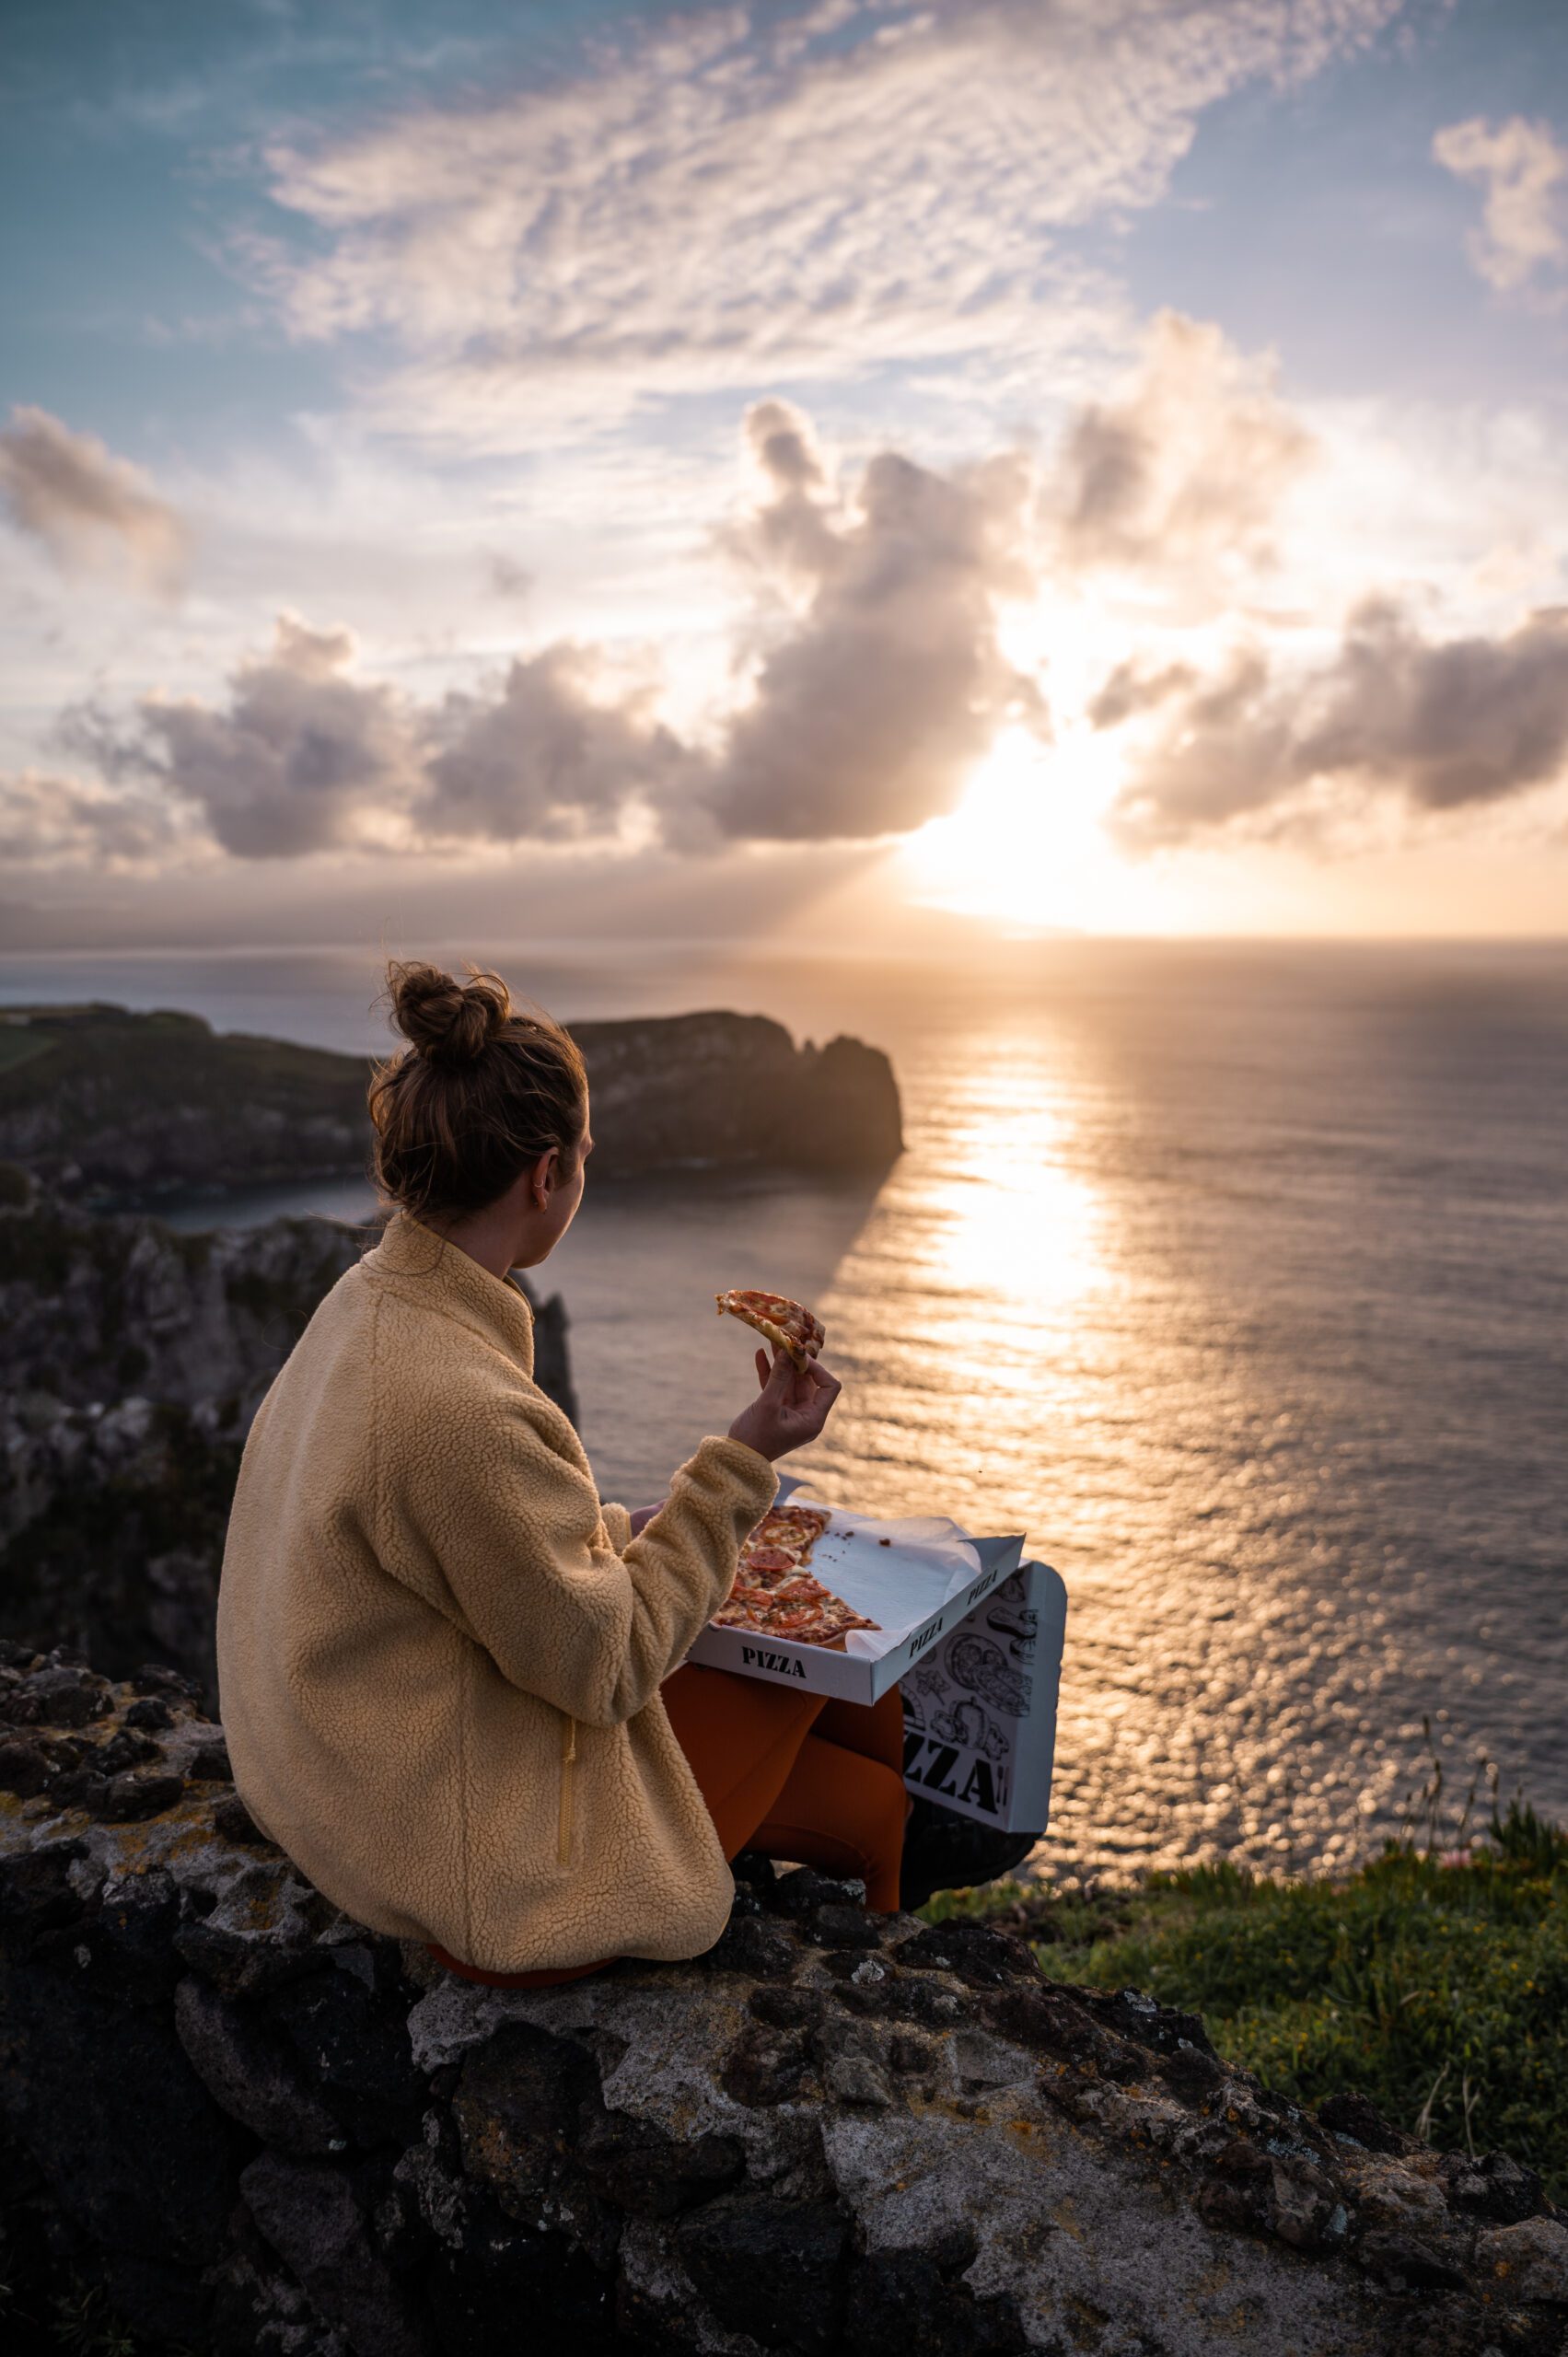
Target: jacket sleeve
x: 509, y: 1531
x: 618, y: 1522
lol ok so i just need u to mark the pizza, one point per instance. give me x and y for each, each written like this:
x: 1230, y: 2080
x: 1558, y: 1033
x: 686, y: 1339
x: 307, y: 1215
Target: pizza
x: 797, y: 1527
x: 783, y: 1321
x: 775, y: 1595
x: 797, y: 1605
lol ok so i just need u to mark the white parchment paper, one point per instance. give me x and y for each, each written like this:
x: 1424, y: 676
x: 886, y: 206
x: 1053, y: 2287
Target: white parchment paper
x: 927, y: 1560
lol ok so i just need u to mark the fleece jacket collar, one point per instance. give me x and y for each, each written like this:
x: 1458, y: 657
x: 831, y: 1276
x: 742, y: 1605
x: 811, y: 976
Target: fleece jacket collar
x: 449, y: 1279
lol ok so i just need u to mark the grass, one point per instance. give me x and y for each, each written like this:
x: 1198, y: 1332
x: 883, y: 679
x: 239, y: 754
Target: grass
x: 1433, y: 1977
x: 78, y: 1083
x: 47, y: 2307
x: 19, y: 1045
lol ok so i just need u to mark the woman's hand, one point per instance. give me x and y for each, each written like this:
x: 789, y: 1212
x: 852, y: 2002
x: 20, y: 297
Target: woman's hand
x: 791, y: 1408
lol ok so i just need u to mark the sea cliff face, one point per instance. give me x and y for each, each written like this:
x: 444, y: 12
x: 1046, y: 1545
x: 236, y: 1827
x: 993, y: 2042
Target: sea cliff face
x: 721, y: 1088
x: 98, y: 1100
x: 136, y: 1358
x: 835, y: 2132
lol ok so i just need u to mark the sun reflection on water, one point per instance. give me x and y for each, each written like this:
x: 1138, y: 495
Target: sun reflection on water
x: 1040, y: 1326
x: 1018, y: 1226
x: 956, y: 1314
x: 1146, y: 1285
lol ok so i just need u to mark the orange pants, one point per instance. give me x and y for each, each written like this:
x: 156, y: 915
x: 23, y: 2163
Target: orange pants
x: 791, y: 1775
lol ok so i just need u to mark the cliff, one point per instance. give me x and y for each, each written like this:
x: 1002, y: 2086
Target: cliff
x: 836, y: 2132
x: 94, y: 1099
x: 734, y: 1088
x: 135, y: 1359
x: 97, y: 1098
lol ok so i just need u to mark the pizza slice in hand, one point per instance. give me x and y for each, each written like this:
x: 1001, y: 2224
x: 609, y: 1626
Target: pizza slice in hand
x: 783, y: 1321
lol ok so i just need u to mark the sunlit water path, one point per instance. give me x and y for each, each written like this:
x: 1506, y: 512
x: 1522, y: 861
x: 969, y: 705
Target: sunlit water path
x: 1237, y: 1277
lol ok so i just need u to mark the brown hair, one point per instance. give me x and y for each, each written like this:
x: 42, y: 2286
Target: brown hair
x: 479, y: 1092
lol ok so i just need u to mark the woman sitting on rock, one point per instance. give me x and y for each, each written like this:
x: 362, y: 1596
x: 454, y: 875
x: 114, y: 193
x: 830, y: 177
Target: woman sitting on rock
x: 449, y: 1675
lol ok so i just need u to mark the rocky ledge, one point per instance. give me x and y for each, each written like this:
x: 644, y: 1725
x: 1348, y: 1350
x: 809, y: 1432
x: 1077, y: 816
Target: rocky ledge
x: 258, y: 2127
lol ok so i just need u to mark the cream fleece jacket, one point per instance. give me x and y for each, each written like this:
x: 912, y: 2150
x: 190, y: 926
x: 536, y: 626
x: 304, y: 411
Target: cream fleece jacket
x: 439, y: 1658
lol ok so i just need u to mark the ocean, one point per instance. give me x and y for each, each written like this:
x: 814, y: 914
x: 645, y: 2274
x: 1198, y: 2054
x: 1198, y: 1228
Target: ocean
x: 1236, y: 1275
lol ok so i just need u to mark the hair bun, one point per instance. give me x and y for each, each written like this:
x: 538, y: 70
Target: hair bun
x: 448, y: 1021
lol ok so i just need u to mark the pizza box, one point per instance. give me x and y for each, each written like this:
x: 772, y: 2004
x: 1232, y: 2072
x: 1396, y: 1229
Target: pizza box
x: 929, y: 1577
x: 979, y: 1706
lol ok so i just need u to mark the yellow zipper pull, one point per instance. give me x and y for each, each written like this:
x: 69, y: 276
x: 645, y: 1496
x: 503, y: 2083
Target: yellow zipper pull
x: 563, y: 1824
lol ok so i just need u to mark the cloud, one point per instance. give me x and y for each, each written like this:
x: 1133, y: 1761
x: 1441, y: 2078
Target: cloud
x: 874, y: 680
x: 1130, y: 689
x: 1443, y: 726
x: 92, y: 511
x: 1179, y: 480
x: 304, y: 758
x: 888, y: 683
x: 1524, y: 172
x: 504, y: 576
x: 731, y: 198
x: 545, y: 759
x: 50, y: 821
x: 791, y: 532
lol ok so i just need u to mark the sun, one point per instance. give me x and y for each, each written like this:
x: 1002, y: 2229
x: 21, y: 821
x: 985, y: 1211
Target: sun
x: 1028, y: 845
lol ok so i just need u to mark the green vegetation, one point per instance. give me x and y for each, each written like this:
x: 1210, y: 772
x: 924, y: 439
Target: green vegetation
x: 85, y: 2321
x: 21, y: 1042
x: 131, y: 1099
x: 47, y: 2304
x: 48, y: 1249
x: 1434, y: 1978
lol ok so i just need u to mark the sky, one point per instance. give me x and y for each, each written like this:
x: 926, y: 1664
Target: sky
x: 858, y: 473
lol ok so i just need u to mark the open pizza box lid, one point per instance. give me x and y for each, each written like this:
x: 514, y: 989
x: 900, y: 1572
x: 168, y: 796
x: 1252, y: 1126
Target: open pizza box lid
x: 928, y: 1576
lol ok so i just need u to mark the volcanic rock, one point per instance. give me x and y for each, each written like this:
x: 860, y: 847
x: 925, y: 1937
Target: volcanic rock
x: 255, y: 2125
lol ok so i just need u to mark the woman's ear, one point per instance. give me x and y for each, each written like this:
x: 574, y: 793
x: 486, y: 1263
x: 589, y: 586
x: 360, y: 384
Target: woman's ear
x: 543, y: 1177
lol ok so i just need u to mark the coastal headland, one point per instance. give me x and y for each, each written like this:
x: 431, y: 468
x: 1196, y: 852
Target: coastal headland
x: 102, y: 1102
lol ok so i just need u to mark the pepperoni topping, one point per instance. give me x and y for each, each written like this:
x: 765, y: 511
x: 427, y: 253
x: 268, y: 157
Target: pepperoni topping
x: 769, y: 1559
x: 803, y: 1331
x: 774, y: 1595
